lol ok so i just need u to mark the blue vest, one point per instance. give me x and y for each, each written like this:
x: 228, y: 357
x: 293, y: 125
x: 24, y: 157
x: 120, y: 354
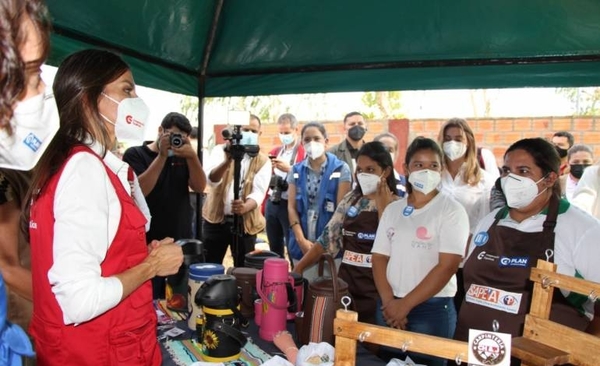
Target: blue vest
x: 14, y: 342
x: 401, y: 185
x: 326, y: 201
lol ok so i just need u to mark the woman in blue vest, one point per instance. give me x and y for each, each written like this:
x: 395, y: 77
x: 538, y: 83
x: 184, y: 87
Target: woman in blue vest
x: 318, y: 184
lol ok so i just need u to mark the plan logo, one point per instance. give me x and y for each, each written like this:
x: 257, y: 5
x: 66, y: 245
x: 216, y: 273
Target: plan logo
x: 514, y: 262
x: 366, y: 236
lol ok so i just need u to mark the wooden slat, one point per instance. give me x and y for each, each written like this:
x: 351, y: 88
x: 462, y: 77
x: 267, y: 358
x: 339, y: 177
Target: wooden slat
x: 584, y: 349
x: 421, y: 343
x: 541, y: 300
x: 566, y: 282
x: 537, y: 354
x: 345, y: 348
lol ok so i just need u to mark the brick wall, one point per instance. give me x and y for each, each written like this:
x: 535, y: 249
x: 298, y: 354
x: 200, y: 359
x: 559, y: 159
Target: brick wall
x: 495, y: 134
x: 499, y: 133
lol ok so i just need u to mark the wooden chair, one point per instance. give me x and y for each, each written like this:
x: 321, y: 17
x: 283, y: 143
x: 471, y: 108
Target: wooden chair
x: 545, y: 342
x: 348, y: 330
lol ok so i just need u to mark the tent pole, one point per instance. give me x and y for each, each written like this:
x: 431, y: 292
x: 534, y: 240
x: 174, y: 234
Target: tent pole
x: 210, y: 42
x: 200, y: 195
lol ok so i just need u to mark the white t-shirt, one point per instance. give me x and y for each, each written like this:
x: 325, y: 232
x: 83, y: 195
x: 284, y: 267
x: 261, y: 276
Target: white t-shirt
x: 414, y: 241
x: 576, y: 247
x: 475, y: 199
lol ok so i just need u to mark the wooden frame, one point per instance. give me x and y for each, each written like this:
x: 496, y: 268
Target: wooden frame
x: 543, y: 343
x: 348, y: 330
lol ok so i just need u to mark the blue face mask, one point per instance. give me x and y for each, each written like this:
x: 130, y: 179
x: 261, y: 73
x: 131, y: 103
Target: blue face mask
x: 249, y: 138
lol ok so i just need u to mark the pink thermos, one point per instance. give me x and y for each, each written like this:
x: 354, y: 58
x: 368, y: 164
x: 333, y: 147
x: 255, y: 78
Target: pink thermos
x: 272, y: 285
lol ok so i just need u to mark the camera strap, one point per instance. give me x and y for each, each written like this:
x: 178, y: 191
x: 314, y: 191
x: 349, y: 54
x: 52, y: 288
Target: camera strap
x: 294, y: 152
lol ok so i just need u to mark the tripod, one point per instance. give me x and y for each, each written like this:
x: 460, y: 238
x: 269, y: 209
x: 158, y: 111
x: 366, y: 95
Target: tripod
x: 237, y: 152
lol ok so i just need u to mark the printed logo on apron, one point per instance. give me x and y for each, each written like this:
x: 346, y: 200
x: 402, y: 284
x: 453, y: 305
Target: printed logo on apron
x: 481, y: 238
x: 408, y: 210
x: 352, y: 211
x: 494, y: 298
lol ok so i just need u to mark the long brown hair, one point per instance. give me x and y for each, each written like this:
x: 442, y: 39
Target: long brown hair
x: 78, y: 85
x: 472, y: 174
x: 13, y: 14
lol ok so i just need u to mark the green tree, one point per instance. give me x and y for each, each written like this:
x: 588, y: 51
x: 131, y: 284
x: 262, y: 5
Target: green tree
x: 382, y: 104
x: 585, y: 101
x: 189, y: 107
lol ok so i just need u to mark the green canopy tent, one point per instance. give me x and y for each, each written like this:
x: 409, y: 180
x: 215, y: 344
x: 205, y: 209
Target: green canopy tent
x: 257, y: 47
x: 212, y: 48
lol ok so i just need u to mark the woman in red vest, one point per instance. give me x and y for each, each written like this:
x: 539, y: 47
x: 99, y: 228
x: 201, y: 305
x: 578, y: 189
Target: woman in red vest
x: 91, y: 266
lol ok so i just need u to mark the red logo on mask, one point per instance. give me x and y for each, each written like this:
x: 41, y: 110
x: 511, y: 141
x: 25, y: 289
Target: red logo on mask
x: 129, y: 119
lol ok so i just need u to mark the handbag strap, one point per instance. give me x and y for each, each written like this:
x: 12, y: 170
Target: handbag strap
x: 230, y: 331
x: 327, y: 257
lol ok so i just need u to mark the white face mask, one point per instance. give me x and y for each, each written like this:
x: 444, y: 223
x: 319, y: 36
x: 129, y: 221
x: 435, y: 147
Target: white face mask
x: 34, y: 123
x: 286, y: 139
x: 249, y: 138
x: 368, y: 182
x: 520, y: 191
x: 454, y: 149
x: 424, y: 181
x: 315, y: 149
x: 132, y: 117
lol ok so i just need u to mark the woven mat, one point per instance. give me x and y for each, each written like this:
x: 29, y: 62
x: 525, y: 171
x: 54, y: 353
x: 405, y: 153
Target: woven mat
x: 188, y: 351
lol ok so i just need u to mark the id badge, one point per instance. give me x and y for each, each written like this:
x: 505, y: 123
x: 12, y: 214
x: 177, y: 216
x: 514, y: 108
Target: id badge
x: 329, y: 206
x: 312, y: 225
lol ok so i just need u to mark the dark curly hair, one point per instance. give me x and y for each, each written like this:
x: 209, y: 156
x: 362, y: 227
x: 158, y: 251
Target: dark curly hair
x: 13, y: 69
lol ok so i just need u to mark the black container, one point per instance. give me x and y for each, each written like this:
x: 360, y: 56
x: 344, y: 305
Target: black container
x: 177, y: 284
x: 257, y: 259
x: 220, y: 333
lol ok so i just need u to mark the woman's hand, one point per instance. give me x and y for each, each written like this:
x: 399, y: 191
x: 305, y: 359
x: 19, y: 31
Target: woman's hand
x: 305, y: 245
x: 165, y: 257
x: 383, y: 195
x: 395, y: 313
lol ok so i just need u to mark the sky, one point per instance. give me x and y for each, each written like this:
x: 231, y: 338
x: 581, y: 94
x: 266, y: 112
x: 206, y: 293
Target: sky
x: 533, y: 102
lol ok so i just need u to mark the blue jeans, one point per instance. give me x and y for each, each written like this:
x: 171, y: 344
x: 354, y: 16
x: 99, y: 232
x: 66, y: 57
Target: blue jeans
x: 436, y: 316
x: 278, y: 225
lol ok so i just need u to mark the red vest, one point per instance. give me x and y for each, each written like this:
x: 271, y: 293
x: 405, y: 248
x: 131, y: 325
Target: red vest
x: 124, y: 335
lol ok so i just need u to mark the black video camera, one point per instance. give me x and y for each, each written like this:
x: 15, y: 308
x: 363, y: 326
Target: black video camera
x: 235, y: 148
x: 278, y: 185
x: 176, y: 140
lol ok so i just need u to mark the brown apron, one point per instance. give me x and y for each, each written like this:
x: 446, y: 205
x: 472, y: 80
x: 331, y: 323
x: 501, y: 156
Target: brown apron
x: 358, y: 235
x: 497, y: 274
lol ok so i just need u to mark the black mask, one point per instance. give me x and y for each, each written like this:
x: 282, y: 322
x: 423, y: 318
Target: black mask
x: 357, y: 132
x: 577, y: 170
x: 561, y: 152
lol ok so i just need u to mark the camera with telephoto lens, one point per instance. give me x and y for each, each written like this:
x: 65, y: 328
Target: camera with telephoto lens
x: 278, y: 185
x: 176, y: 140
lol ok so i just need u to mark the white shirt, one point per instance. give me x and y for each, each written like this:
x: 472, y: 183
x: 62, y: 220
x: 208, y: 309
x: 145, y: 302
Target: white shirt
x: 413, y: 242
x: 586, y: 194
x: 260, y: 184
x: 87, y: 213
x: 475, y: 199
x: 570, y: 188
x: 491, y: 166
x: 576, y: 249
x: 285, y: 155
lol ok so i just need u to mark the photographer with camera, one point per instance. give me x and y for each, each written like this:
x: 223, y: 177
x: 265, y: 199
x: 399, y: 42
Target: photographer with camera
x: 282, y: 157
x: 166, y: 168
x: 221, y: 210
